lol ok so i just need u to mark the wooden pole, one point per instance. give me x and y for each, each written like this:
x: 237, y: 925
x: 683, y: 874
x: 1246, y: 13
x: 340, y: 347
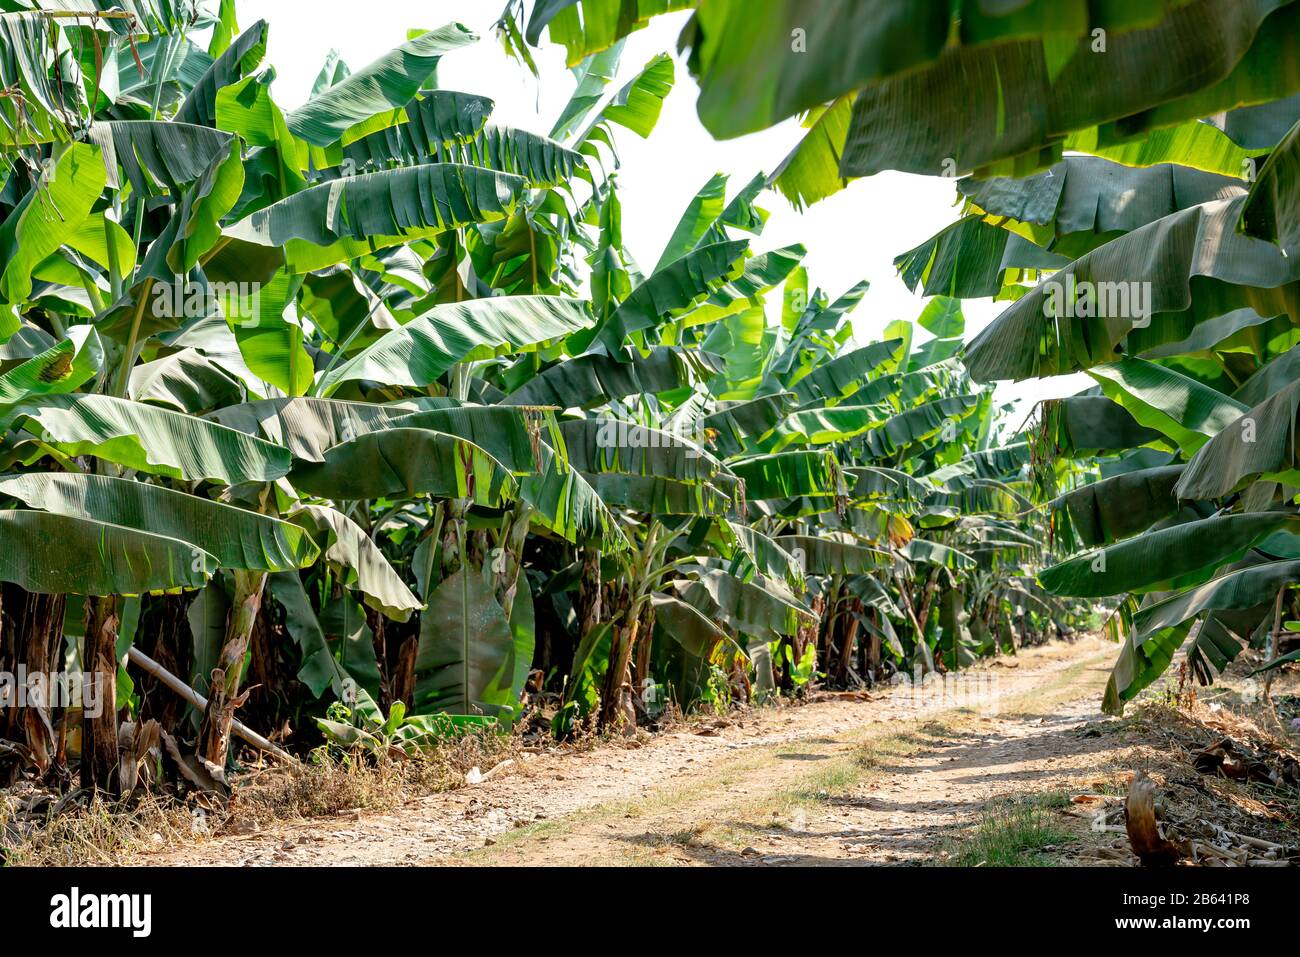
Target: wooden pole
x: 145, y: 663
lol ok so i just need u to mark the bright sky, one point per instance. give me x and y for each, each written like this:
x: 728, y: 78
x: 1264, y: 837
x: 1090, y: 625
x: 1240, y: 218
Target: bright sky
x: 852, y: 235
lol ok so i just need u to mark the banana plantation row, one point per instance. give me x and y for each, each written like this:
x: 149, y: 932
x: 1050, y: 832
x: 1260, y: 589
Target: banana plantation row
x: 358, y: 424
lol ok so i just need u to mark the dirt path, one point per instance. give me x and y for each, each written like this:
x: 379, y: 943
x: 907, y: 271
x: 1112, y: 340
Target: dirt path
x: 842, y: 780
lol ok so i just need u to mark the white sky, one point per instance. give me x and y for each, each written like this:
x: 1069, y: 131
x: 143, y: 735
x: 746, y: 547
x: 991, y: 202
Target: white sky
x: 852, y: 235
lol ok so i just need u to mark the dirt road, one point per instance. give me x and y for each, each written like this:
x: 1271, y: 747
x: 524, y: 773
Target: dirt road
x: 894, y: 776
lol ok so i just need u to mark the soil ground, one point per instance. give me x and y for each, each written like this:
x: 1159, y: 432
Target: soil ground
x: 1011, y: 764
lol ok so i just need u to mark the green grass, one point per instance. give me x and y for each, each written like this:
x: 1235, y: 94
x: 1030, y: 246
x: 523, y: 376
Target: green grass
x: 1014, y: 833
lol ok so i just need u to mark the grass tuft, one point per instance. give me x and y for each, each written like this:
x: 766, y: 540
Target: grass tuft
x: 1014, y: 832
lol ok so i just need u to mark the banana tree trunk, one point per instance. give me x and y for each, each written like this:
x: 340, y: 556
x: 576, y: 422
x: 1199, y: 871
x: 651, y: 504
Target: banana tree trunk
x: 848, y: 638
x: 588, y: 606
x: 32, y: 641
x: 376, y: 621
x: 641, y: 680
x: 99, y: 694
x: 617, y: 712
x: 224, y: 697
x: 872, y: 669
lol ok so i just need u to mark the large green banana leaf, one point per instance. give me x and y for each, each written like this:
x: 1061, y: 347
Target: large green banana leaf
x: 185, y: 381
x: 565, y: 502
x: 757, y: 606
x: 310, y: 427
x: 675, y: 287
x: 200, y: 168
x: 238, y: 60
x: 757, y: 66
x: 45, y: 218
x: 351, y: 217
x: 657, y: 495
x: 606, y: 444
x: 637, y: 104
x: 708, y: 215
x: 63, y: 367
x: 1117, y: 507
x: 505, y: 433
x: 1245, y: 588
x: 585, y: 27
x: 827, y: 555
x: 359, y: 561
x: 402, y: 463
x: 825, y: 426
x: 1084, y: 200
x: 764, y: 553
x: 975, y: 106
x: 383, y: 86
x: 1178, y: 553
x: 787, y: 474
x: 811, y: 171
x: 972, y: 259
x: 1177, y: 406
x: 1045, y: 334
x: 594, y: 379
x: 28, y: 48
x: 422, y: 350
x: 434, y: 122
x: 62, y: 554
x: 844, y: 375
x: 731, y: 425
x: 937, y: 553
x: 905, y: 433
x: 234, y: 537
x: 1262, y: 441
x: 685, y: 624
x: 468, y: 662
x: 1272, y: 211
x: 1081, y: 425
x: 151, y: 439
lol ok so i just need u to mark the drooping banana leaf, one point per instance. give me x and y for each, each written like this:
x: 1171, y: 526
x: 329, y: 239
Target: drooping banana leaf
x: 1138, y: 288
x: 606, y: 444
x: 839, y: 555
x: 422, y: 350
x: 351, y: 217
x: 358, y: 561
x: 1185, y: 553
x: 466, y: 663
x: 45, y: 218
x: 402, y: 463
x: 185, y: 381
x: 1116, y: 508
x: 788, y: 474
x: 242, y: 57
x: 1273, y: 207
x: 151, y: 439
x: 954, y: 110
x: 437, y: 120
x: 595, y: 379
x: 1177, y: 406
x: 382, y: 87
x: 842, y: 376
x: 1261, y: 442
x: 63, y: 554
x: 232, y: 537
